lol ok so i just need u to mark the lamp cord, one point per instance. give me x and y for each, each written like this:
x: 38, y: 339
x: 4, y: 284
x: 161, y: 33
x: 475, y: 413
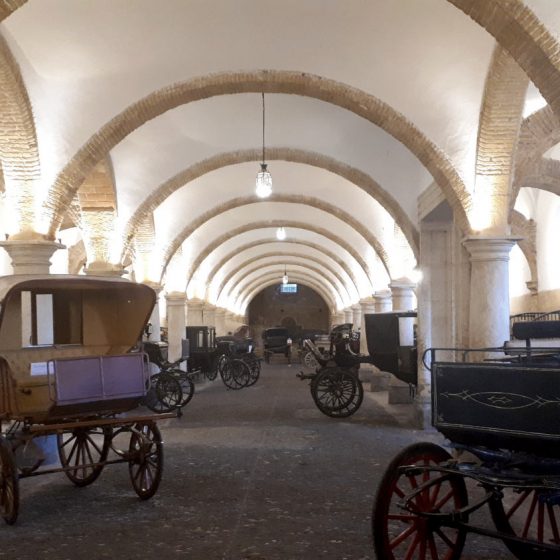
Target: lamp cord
x: 263, y: 113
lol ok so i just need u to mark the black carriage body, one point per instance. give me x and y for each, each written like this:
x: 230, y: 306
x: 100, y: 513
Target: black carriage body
x: 202, y: 347
x: 391, y: 344
x: 499, y: 405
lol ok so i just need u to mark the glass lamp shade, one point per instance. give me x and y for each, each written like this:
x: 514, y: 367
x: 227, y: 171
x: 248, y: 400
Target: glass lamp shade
x: 264, y: 182
x: 285, y: 279
x: 280, y: 234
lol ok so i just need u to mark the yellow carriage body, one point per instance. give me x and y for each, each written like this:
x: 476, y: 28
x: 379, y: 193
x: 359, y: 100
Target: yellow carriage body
x: 64, y: 343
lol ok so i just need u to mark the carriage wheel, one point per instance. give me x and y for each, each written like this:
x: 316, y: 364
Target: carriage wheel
x: 310, y: 361
x: 254, y: 365
x: 9, y: 484
x: 236, y: 374
x: 145, y: 459
x: 81, y: 449
x: 212, y: 371
x: 529, y: 514
x: 399, y: 533
x: 186, y: 383
x: 165, y: 393
x: 337, y: 392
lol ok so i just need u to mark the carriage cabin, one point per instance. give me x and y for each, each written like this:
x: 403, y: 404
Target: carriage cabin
x: 64, y: 342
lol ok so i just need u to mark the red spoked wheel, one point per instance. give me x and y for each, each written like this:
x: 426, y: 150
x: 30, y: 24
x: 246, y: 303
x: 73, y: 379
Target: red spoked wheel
x: 532, y: 514
x: 400, y: 530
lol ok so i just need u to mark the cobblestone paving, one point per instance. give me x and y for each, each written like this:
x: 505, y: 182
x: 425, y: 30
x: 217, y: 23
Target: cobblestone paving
x: 255, y: 474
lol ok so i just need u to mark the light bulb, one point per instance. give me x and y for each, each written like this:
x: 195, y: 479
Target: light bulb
x: 280, y: 234
x: 285, y: 279
x: 264, y: 182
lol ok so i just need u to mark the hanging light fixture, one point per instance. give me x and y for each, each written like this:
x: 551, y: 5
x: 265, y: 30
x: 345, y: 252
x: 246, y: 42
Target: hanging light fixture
x: 264, y: 178
x: 285, y: 277
x: 280, y: 234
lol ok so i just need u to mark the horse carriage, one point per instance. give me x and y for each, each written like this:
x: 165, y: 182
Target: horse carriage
x: 335, y: 384
x: 67, y: 376
x: 500, y: 410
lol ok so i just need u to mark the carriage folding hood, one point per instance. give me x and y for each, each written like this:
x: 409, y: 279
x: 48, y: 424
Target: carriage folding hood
x: 90, y: 317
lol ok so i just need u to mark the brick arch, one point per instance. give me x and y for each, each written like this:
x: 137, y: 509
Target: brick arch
x: 545, y: 175
x: 319, y: 248
x: 266, y: 281
x: 274, y: 224
x: 19, y: 150
x: 9, y: 6
x: 527, y: 231
x: 500, y: 120
x: 268, y: 81
x: 239, y: 202
x: 518, y: 30
x: 314, y: 273
x: 293, y: 155
x: 287, y: 259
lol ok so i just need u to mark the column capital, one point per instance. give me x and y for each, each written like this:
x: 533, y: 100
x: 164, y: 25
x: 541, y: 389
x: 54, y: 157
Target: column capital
x: 154, y: 285
x: 176, y: 298
x: 220, y: 311
x: 533, y: 287
x: 401, y: 284
x: 368, y: 305
x: 195, y: 303
x: 382, y: 295
x: 31, y: 256
x: 99, y: 268
x: 490, y: 248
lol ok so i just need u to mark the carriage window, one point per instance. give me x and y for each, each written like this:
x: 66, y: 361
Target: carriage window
x: 51, y: 318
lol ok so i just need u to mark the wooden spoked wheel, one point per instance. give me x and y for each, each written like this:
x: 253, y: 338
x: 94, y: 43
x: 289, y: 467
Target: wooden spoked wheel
x: 84, y: 449
x: 254, y: 365
x: 532, y: 514
x: 145, y: 462
x: 310, y: 361
x: 337, y: 392
x: 165, y: 393
x: 400, y: 531
x: 9, y: 484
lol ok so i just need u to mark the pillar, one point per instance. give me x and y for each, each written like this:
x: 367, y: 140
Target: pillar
x: 104, y: 269
x: 348, y: 315
x: 31, y: 256
x: 194, y: 313
x: 489, y: 290
x: 176, y: 308
x: 402, y: 292
x: 382, y: 301
x: 209, y: 314
x: 357, y: 316
x: 155, y: 318
x: 220, y: 321
x: 337, y: 318
x: 367, y: 371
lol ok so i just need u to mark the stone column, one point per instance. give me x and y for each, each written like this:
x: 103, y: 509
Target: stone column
x: 194, y: 314
x: 176, y: 307
x: 382, y: 301
x: 209, y: 314
x: 357, y: 316
x: 402, y: 292
x: 348, y: 315
x: 367, y: 371
x: 220, y: 321
x: 155, y: 318
x: 489, y: 295
x: 31, y: 256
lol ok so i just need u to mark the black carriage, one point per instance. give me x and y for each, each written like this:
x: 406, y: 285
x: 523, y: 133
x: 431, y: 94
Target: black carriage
x: 203, y: 349
x: 501, y: 414
x: 67, y: 375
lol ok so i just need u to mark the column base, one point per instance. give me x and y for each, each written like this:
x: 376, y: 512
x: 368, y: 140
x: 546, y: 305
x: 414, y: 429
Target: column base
x: 380, y: 381
x: 399, y: 392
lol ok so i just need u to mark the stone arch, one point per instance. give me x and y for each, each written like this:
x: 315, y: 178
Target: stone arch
x: 500, y: 120
x: 19, y: 151
x: 268, y: 81
x: 274, y: 224
x: 9, y: 6
x: 285, y: 198
x: 294, y: 155
x: 518, y: 30
x: 287, y: 263
x: 266, y: 280
x: 319, y: 248
x: 287, y: 256
x: 544, y: 175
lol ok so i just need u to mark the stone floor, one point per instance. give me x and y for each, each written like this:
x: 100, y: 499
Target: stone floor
x: 253, y: 474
